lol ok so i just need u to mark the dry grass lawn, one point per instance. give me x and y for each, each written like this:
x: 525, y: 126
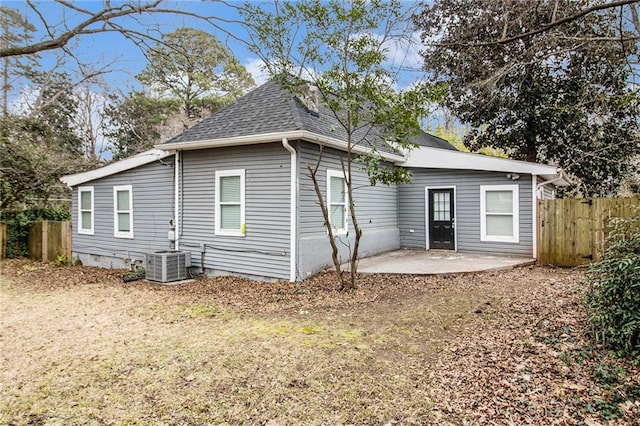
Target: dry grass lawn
x: 78, y: 346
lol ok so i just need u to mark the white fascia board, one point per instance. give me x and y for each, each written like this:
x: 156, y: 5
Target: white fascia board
x: 437, y: 158
x: 275, y: 137
x: 116, y: 167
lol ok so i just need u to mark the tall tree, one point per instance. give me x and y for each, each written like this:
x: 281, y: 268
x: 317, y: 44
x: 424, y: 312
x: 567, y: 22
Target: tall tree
x: 560, y: 96
x: 55, y: 106
x: 341, y: 50
x: 40, y: 142
x: 78, y: 19
x: 194, y: 67
x: 137, y: 122
x: 14, y: 31
x: 30, y: 164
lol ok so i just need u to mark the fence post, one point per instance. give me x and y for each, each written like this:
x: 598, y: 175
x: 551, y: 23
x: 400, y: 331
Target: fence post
x: 45, y: 241
x: 3, y: 240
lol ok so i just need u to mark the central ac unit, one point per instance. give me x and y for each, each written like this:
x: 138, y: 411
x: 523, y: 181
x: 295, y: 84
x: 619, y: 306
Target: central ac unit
x: 168, y: 265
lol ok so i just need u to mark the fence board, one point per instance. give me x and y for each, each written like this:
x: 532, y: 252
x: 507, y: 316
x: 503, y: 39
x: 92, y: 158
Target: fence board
x: 3, y: 240
x: 49, y: 239
x: 572, y: 231
x: 34, y: 241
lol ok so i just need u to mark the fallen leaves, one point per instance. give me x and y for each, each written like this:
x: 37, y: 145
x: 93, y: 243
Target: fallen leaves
x: 501, y: 347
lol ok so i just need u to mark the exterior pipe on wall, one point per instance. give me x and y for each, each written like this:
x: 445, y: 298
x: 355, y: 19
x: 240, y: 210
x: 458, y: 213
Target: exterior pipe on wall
x: 534, y: 214
x: 294, y: 220
x: 176, y: 196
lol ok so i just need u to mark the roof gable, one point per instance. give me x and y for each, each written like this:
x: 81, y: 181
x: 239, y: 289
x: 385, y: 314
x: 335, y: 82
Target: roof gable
x: 271, y: 109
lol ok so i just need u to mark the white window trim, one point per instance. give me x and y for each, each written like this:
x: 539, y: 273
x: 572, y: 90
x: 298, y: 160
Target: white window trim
x: 345, y: 225
x: 82, y: 230
x: 515, y: 238
x: 230, y: 232
x: 116, y: 232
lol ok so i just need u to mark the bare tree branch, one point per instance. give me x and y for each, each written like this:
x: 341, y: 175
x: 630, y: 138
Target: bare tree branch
x: 104, y: 20
x: 555, y: 23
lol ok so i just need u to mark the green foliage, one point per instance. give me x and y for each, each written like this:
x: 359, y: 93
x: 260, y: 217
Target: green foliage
x: 614, y: 290
x: 192, y: 65
x: 61, y: 260
x: 550, y: 97
x: 134, y: 123
x: 340, y: 51
x: 456, y: 135
x: 19, y: 222
x: 31, y: 163
x: 55, y: 109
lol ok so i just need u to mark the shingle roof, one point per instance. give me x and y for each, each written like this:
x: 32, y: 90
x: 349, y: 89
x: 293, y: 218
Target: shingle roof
x: 269, y: 109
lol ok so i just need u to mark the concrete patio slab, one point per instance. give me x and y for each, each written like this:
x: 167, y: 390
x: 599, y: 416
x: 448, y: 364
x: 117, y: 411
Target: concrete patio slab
x: 422, y: 262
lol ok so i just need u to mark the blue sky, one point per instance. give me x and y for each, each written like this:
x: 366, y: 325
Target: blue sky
x: 125, y: 58
x: 121, y: 55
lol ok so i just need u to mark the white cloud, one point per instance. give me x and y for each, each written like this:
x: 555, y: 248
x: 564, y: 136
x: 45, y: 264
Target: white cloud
x: 256, y: 67
x: 405, y: 53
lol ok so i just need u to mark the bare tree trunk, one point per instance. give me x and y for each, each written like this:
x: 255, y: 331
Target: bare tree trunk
x: 325, y: 214
x: 353, y: 256
x: 5, y: 87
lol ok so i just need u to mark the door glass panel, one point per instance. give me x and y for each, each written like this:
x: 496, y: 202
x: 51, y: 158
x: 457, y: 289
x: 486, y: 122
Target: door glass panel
x: 442, y: 206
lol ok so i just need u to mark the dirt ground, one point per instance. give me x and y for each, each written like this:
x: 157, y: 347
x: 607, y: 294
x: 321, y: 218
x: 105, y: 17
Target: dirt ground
x: 79, y: 346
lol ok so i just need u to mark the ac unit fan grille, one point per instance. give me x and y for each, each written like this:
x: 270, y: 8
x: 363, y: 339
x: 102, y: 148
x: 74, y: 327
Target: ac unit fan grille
x: 167, y: 266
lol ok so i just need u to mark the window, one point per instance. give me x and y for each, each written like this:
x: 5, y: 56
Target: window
x: 230, y: 203
x: 85, y: 210
x: 123, y: 211
x: 337, y: 201
x: 499, y: 219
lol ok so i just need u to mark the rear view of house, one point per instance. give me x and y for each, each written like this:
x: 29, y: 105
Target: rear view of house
x: 234, y: 192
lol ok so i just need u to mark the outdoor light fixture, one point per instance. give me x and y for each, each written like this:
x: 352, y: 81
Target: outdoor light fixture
x: 513, y: 176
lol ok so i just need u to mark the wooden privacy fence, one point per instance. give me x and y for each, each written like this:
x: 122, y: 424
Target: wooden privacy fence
x: 3, y: 240
x: 49, y: 239
x: 571, y: 232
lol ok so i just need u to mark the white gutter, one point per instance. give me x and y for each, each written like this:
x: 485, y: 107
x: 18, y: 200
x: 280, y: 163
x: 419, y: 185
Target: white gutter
x: 428, y: 157
x: 176, y: 210
x: 275, y: 137
x: 116, y: 167
x: 560, y: 178
x: 293, y: 229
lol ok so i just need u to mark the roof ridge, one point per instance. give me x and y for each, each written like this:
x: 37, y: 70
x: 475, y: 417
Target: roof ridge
x: 297, y: 114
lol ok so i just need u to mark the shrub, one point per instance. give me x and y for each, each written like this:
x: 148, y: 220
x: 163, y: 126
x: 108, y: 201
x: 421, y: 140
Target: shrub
x: 613, y: 297
x: 18, y: 224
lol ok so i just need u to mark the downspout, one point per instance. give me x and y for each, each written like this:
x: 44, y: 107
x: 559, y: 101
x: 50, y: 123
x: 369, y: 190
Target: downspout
x: 536, y: 188
x: 548, y: 182
x: 294, y: 220
x: 534, y: 212
x: 176, y: 195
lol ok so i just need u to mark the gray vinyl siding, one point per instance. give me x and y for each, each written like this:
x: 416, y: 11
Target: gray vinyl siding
x: 467, y: 207
x: 376, y: 209
x: 264, y: 251
x: 153, y: 189
x: 548, y: 190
